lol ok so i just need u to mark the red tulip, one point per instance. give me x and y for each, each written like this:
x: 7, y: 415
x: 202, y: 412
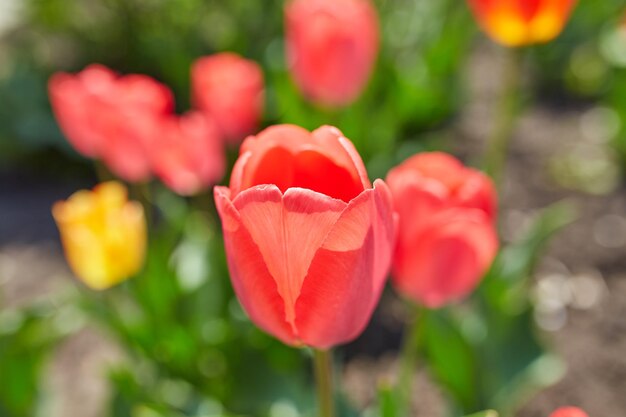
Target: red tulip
x: 522, y: 22
x: 111, y: 117
x: 229, y: 89
x: 308, y: 239
x: 188, y: 155
x: 331, y: 47
x: 569, y: 412
x: 446, y: 239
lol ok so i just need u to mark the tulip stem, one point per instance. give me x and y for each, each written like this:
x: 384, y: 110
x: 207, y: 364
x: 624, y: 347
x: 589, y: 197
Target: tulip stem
x: 102, y: 172
x: 143, y: 193
x: 407, y: 362
x: 323, y: 365
x: 506, y: 114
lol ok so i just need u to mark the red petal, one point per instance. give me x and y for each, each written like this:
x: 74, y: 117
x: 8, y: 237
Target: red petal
x: 289, y: 156
x: 254, y: 285
x: 347, y: 275
x: 447, y: 260
x: 288, y: 232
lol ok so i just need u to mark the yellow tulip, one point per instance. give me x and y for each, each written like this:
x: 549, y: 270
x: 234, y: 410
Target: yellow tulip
x: 103, y: 234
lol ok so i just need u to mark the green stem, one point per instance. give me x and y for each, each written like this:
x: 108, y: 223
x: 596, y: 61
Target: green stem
x: 143, y: 193
x: 408, y: 362
x: 102, y: 172
x: 506, y: 114
x: 323, y: 364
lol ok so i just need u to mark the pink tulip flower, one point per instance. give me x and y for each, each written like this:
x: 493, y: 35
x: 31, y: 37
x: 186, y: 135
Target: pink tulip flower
x: 188, y: 154
x: 331, y: 48
x: 447, y: 239
x: 308, y: 239
x: 110, y: 117
x: 230, y: 90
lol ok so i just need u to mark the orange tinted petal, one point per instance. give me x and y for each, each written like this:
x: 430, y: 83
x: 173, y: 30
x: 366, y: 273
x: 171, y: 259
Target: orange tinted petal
x: 278, y: 224
x: 255, y: 287
x: 289, y: 156
x: 522, y: 22
x: 347, y: 275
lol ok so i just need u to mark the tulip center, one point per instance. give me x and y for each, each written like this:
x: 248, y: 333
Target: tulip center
x: 308, y: 169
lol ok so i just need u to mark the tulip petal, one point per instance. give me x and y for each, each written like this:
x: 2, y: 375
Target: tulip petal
x: 255, y: 287
x: 342, y: 151
x: 416, y: 199
x: 346, y: 277
x: 447, y: 259
x: 568, y: 412
x: 291, y: 157
x: 301, y: 219
x: 229, y: 89
x: 479, y: 192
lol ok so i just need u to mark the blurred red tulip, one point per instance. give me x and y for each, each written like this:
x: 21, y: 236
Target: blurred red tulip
x: 331, y: 47
x: 447, y: 238
x: 110, y: 117
x: 188, y: 154
x: 230, y: 90
x: 522, y: 22
x: 568, y: 412
x: 308, y: 239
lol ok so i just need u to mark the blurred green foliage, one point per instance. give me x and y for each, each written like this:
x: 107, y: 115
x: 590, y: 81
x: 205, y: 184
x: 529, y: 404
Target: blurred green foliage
x: 415, y: 86
x: 573, y: 64
x: 192, y: 352
x: 488, y: 354
x: 28, y: 337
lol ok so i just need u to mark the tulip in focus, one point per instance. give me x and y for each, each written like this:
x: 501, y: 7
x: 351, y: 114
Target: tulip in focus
x: 111, y: 117
x: 308, y: 239
x: 447, y: 239
x: 569, y: 412
x: 522, y: 22
x: 230, y: 90
x: 103, y: 234
x: 331, y: 48
x: 188, y: 155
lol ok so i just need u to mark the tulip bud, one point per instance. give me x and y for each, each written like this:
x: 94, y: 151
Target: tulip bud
x: 447, y: 238
x: 331, y: 48
x: 103, y: 234
x: 308, y: 239
x: 230, y: 90
x: 568, y: 412
x: 522, y: 22
x: 188, y: 155
x: 110, y: 117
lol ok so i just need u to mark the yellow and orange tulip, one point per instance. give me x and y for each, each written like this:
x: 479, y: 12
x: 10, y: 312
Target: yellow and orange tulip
x: 103, y: 234
x: 522, y: 22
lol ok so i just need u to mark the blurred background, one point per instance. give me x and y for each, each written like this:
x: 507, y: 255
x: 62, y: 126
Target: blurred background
x: 546, y: 328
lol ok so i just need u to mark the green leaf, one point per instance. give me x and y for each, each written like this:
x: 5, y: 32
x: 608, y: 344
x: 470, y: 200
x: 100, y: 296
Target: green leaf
x: 451, y: 357
x: 27, y: 338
